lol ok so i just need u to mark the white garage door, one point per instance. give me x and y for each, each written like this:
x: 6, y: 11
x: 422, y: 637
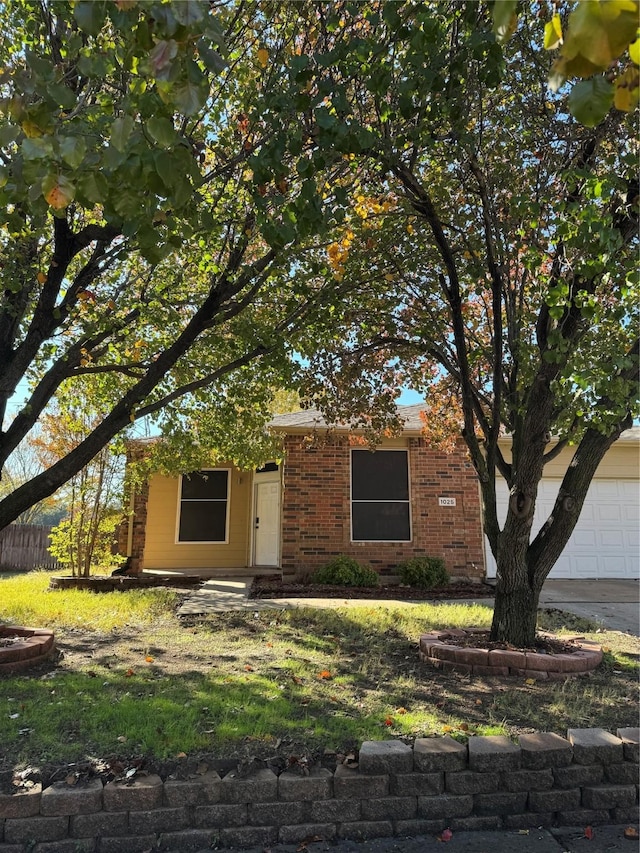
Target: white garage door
x: 606, y: 539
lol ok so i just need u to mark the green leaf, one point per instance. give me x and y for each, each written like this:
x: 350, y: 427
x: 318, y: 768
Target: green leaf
x: 89, y: 15
x: 94, y: 187
x: 162, y: 131
x: 211, y: 58
x: 190, y: 98
x: 72, y: 150
x: 121, y: 131
x: 37, y: 149
x: 590, y: 100
x: 8, y: 133
x: 505, y: 19
x: 61, y: 95
x: 189, y: 12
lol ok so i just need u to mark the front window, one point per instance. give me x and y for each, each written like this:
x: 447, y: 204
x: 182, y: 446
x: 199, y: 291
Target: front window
x: 380, y: 496
x: 204, y: 501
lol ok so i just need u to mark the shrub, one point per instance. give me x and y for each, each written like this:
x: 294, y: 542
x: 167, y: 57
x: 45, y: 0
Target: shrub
x: 345, y: 571
x: 424, y: 572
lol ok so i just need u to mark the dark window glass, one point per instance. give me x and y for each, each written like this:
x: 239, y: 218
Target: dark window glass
x: 203, y: 507
x: 270, y: 466
x: 205, y: 485
x: 381, y: 521
x: 379, y: 475
x: 380, y: 496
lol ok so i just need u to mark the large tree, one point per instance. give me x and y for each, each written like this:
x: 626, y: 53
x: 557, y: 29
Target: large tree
x: 148, y: 191
x: 495, y: 240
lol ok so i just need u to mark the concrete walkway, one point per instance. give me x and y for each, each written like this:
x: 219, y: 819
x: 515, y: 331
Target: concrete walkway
x: 612, y: 603
x: 571, y: 839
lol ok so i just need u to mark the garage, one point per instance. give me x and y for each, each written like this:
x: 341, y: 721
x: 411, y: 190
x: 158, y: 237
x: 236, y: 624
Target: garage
x: 606, y: 540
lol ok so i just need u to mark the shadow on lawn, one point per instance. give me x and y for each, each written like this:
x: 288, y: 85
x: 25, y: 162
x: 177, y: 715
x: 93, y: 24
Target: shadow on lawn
x: 293, y: 683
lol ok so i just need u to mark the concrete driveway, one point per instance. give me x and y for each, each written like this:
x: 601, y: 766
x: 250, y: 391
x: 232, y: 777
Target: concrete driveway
x: 614, y: 603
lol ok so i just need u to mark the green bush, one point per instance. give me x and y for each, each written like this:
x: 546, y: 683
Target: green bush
x: 424, y: 572
x: 345, y: 571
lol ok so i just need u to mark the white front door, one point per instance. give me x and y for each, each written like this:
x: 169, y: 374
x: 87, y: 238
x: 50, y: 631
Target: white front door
x: 266, y: 542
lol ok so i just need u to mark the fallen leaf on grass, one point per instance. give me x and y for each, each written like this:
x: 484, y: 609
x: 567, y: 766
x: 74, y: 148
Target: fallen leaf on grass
x: 149, y: 659
x: 248, y: 668
x: 129, y: 673
x: 388, y: 721
x: 324, y: 674
x: 401, y: 710
x: 530, y: 681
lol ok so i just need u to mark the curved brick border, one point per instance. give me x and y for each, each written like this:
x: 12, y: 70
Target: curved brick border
x: 108, y: 583
x: 36, y: 645
x: 435, y: 649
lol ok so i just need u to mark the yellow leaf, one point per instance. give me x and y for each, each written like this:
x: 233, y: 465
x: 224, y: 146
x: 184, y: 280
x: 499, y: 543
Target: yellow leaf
x: 41, y: 278
x: 553, y: 33
x: 530, y: 681
x: 627, y: 90
x: 263, y: 56
x: 634, y: 51
x: 58, y: 192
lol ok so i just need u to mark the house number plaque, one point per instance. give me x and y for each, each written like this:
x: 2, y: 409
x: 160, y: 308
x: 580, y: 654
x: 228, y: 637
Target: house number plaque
x: 446, y: 501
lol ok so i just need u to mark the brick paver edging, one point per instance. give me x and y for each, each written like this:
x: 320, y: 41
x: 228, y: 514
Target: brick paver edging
x: 435, y: 649
x: 21, y: 648
x: 589, y: 777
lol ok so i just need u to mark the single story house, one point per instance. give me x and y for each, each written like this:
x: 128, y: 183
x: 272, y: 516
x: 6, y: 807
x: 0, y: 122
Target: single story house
x: 332, y: 495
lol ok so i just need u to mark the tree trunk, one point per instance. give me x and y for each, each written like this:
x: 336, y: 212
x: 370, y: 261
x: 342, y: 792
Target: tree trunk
x: 515, y: 611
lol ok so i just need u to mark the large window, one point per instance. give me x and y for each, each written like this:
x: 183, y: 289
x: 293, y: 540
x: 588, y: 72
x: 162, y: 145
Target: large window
x: 204, y: 500
x: 380, y: 496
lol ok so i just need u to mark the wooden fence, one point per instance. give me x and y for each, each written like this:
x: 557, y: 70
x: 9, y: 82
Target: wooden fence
x: 26, y: 546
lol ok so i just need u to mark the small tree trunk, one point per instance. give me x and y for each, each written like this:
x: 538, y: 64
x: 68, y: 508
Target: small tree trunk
x: 517, y: 593
x: 515, y: 614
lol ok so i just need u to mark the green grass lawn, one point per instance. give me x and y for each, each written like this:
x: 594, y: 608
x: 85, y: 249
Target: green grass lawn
x: 133, y: 679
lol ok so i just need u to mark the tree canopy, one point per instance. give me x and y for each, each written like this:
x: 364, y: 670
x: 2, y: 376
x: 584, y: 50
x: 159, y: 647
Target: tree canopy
x: 149, y: 188
x: 495, y: 240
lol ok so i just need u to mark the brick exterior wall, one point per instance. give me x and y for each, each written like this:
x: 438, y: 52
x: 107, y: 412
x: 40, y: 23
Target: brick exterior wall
x: 316, y: 517
x: 396, y: 790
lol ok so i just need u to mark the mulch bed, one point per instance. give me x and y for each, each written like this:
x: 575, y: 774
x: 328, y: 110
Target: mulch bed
x: 544, y: 643
x: 274, y: 587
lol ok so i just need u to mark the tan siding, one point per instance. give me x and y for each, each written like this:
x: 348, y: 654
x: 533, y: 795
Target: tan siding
x: 621, y: 462
x: 163, y: 552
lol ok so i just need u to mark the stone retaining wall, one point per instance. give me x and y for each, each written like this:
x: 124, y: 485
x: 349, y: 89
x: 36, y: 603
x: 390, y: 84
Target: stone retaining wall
x: 490, y: 783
